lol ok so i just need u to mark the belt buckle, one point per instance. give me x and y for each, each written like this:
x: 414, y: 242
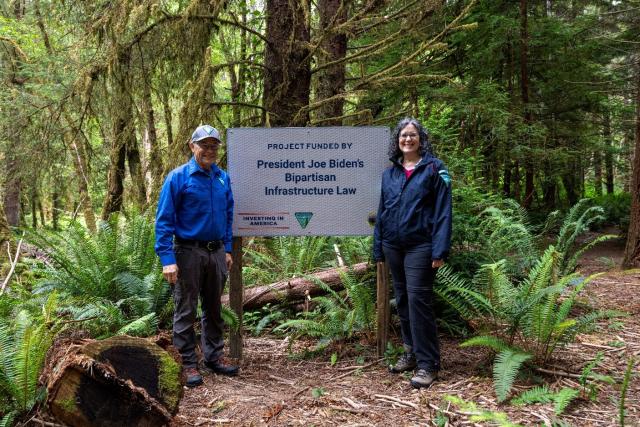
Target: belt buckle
x: 212, y: 245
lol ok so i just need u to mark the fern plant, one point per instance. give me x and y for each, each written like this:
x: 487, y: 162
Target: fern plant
x: 529, y: 319
x: 111, y: 280
x: 338, y: 315
x: 276, y: 258
x: 23, y: 347
x: 542, y: 394
x: 579, y: 219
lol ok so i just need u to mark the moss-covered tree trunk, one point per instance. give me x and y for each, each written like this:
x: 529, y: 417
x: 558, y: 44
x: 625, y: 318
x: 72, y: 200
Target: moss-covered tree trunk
x: 121, y: 381
x: 287, y: 77
x: 331, y: 80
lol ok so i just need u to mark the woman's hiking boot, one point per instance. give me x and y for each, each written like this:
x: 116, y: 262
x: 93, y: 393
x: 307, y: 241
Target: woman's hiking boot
x: 423, y: 378
x: 406, y: 362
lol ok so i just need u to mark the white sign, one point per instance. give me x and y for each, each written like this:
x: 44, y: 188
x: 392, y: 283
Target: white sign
x: 306, y: 181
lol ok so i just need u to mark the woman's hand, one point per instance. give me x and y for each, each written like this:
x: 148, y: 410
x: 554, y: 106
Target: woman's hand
x: 437, y: 263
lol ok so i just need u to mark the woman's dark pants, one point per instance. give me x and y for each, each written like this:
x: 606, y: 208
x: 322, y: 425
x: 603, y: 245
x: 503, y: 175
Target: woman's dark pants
x: 413, y: 286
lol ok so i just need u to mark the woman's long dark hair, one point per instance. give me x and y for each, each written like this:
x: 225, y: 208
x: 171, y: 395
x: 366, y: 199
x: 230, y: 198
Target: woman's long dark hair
x: 394, y: 148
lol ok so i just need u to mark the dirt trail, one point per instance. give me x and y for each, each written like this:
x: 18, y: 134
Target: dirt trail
x: 274, y: 389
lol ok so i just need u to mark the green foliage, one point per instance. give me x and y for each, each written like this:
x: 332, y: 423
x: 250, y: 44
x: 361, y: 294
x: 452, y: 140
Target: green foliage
x: 590, y: 387
x: 112, y: 280
x: 258, y: 320
x: 579, y: 219
x: 542, y: 394
x: 392, y: 353
x: 458, y: 298
x: 616, y: 208
x: 318, y: 392
x: 337, y: 316
x: 23, y: 346
x: 538, y: 394
x: 628, y: 373
x: 478, y: 414
x: 272, y: 259
x: 563, y: 398
x: 505, y: 369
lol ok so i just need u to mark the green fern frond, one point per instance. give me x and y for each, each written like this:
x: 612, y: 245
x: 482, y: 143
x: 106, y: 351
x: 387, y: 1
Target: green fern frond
x: 569, y: 265
x: 494, y: 343
x: 230, y: 318
x: 8, y: 419
x: 538, y: 394
x: 563, y: 398
x: 143, y: 327
x: 505, y: 369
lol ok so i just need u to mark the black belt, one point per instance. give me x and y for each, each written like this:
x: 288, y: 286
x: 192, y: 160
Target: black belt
x: 212, y: 245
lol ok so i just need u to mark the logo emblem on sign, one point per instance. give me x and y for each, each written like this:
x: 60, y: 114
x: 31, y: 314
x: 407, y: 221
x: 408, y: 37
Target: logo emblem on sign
x: 303, y: 218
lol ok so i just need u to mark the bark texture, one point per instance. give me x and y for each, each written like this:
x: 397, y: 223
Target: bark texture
x: 119, y: 381
x: 333, y: 48
x: 295, y: 290
x: 287, y: 77
x: 632, y: 249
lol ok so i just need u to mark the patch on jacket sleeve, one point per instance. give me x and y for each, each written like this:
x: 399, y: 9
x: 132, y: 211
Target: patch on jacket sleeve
x: 444, y: 175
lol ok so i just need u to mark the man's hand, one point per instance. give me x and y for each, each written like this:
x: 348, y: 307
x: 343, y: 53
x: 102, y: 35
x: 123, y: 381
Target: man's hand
x: 229, y: 260
x: 437, y: 263
x: 170, y: 272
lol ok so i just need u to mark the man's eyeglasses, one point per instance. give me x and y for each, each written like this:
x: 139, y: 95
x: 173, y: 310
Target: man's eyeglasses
x: 208, y: 146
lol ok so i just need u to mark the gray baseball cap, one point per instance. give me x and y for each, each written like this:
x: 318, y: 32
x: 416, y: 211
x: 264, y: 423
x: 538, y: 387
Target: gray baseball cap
x: 203, y: 132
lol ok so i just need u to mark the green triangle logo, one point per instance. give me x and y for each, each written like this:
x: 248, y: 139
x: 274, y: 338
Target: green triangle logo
x: 303, y: 218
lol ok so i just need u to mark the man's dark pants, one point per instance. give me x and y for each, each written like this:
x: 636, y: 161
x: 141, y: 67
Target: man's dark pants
x: 413, y: 279
x: 201, y: 273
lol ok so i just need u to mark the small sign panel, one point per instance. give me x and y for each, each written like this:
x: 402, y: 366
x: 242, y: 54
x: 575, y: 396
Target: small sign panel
x: 306, y: 181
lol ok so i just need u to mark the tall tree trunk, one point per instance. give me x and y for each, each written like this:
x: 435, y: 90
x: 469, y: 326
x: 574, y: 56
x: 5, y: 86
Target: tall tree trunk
x: 73, y: 140
x: 135, y: 172
x: 516, y: 181
x: 122, y: 128
x: 524, y: 85
x: 5, y: 236
x: 154, y: 165
x: 597, y: 172
x: 331, y: 80
x: 288, y: 71
x: 34, y: 207
x: 506, y: 180
x: 12, y: 185
x: 632, y: 249
x: 608, y: 153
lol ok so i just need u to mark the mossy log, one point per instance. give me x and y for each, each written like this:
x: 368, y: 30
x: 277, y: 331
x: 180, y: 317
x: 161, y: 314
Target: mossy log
x: 297, y: 289
x: 121, y: 381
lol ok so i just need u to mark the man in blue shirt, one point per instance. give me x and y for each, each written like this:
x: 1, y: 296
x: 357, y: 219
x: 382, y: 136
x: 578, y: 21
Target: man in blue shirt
x: 193, y: 241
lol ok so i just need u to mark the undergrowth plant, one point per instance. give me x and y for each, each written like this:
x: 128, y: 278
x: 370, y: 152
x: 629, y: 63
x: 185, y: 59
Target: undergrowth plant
x: 111, y: 280
x: 528, y: 320
x: 24, y: 341
x: 338, y: 315
x: 272, y: 259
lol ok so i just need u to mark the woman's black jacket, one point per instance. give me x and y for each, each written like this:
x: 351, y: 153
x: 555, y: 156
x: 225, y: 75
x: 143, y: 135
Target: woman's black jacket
x: 415, y: 210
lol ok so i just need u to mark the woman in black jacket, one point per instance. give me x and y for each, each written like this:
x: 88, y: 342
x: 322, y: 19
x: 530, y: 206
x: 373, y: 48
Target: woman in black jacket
x: 413, y: 235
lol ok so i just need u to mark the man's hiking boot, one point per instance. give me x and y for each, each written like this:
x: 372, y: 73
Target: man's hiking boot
x: 219, y: 367
x: 194, y: 378
x: 423, y: 378
x: 406, y: 362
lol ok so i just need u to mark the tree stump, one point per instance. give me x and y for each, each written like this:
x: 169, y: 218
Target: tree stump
x: 116, y: 382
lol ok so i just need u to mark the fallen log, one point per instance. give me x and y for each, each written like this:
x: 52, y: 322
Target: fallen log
x: 119, y: 381
x: 296, y: 289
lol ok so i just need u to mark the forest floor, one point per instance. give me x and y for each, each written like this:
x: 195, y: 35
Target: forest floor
x: 275, y: 389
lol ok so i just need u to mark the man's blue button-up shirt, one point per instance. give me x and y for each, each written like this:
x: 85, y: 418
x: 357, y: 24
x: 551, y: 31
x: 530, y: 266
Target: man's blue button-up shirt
x: 194, y: 204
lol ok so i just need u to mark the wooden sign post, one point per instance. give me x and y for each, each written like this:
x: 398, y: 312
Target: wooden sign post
x: 236, y: 297
x: 382, y: 306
